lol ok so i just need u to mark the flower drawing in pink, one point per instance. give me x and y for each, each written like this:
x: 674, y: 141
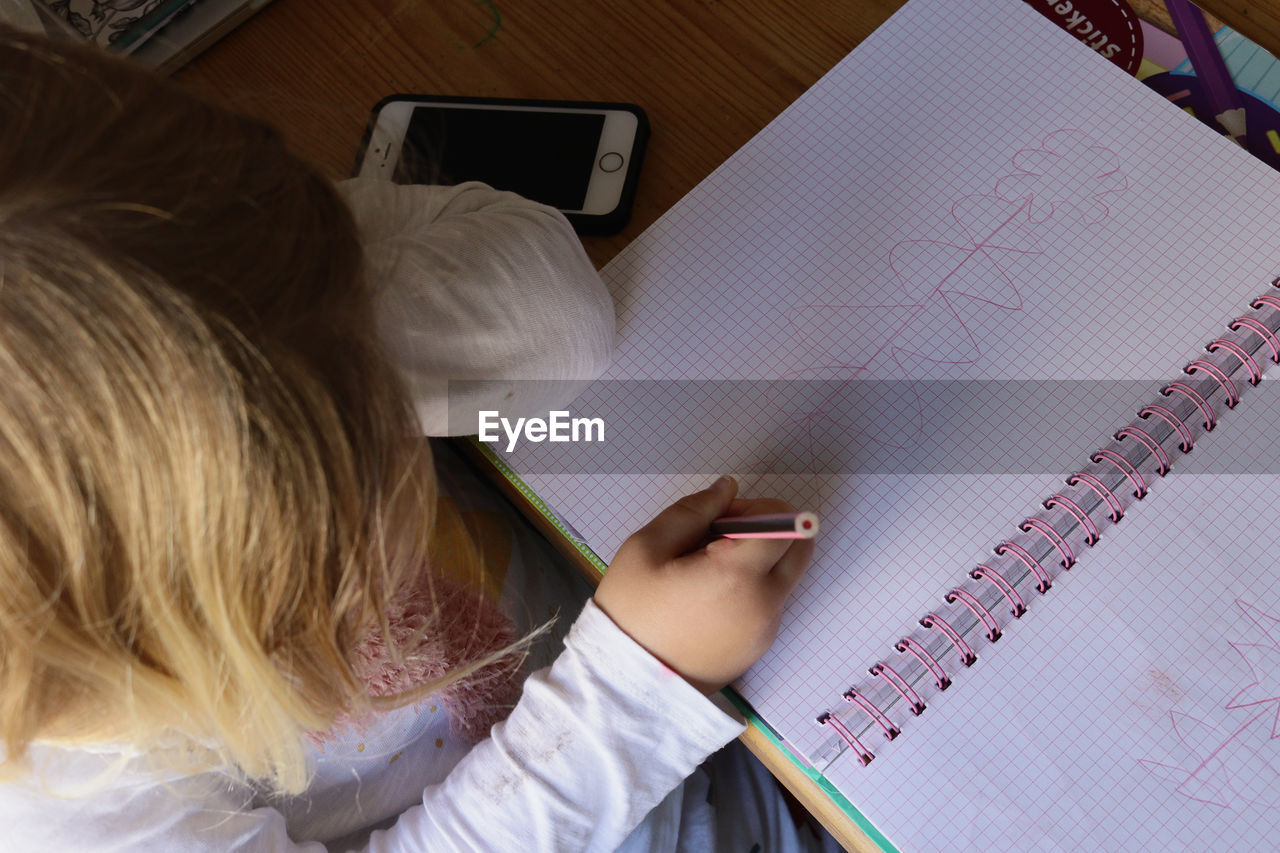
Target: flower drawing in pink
x: 1068, y: 172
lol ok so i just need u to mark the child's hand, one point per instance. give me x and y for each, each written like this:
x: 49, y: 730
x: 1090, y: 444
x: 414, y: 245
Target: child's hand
x: 706, y: 612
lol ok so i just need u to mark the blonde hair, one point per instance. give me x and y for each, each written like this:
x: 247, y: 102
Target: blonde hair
x: 207, y: 487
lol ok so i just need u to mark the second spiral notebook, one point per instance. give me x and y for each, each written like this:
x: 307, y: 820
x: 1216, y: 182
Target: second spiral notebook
x: 967, y: 304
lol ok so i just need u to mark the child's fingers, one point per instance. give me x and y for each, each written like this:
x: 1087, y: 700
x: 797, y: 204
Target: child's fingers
x: 754, y: 556
x: 792, y: 566
x: 757, y: 506
x: 683, y: 526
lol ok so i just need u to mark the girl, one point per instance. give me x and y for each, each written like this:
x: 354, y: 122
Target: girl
x: 223, y: 580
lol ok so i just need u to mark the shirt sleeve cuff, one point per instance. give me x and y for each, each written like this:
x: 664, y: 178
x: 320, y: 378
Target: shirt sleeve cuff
x: 623, y: 662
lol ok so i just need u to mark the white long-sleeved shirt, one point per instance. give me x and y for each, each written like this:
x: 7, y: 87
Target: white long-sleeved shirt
x: 486, y: 287
x: 595, y: 742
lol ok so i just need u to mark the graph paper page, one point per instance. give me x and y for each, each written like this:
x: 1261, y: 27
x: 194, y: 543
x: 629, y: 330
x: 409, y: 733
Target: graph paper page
x: 972, y: 194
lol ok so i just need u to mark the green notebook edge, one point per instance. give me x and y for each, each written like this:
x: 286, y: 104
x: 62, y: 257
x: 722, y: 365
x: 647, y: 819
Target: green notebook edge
x: 860, y: 820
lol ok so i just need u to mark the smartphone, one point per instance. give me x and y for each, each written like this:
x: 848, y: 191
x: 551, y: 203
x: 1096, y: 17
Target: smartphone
x: 580, y: 157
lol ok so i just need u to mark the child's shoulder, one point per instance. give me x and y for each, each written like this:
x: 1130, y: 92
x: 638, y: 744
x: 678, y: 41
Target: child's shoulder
x: 88, y: 798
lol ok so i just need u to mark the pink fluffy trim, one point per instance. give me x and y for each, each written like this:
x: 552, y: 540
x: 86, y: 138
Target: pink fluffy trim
x: 437, y: 625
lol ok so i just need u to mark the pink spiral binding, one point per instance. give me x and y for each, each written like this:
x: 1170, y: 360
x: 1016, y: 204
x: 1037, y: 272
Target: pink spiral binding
x: 1016, y: 607
x: 1173, y: 421
x: 1201, y: 403
x: 933, y: 620
x: 1135, y: 477
x: 1090, y: 529
x: 983, y: 614
x: 1045, y: 530
x: 864, y: 755
x: 940, y: 677
x: 1117, y: 510
x: 1261, y: 331
x: 886, y: 725
x: 1036, y: 569
x: 1131, y: 472
x: 1229, y: 387
x: 1162, y: 458
x: 1266, y: 300
x: 1255, y: 372
x: 914, y: 704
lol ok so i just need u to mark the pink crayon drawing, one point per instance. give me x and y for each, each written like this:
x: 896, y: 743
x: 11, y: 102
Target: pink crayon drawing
x: 1264, y: 660
x: 1229, y: 769
x: 1066, y: 181
x: 928, y: 312
x: 1240, y: 767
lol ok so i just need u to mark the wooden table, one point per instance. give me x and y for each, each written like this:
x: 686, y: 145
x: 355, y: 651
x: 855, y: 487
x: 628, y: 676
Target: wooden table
x: 710, y: 74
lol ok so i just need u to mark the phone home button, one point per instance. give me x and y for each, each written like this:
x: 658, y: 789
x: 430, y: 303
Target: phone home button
x: 611, y: 162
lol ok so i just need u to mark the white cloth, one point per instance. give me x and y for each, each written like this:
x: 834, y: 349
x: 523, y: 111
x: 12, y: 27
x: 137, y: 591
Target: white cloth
x: 479, y: 292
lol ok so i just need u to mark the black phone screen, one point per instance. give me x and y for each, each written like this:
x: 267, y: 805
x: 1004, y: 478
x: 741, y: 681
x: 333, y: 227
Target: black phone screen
x: 544, y: 156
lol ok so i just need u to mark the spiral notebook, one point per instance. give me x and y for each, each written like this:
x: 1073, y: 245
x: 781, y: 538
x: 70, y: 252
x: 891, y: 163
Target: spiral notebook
x: 967, y: 298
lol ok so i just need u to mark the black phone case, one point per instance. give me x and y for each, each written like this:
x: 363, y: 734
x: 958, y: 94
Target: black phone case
x: 605, y: 223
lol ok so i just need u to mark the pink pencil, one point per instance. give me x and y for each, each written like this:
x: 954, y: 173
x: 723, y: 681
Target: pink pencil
x: 787, y: 525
